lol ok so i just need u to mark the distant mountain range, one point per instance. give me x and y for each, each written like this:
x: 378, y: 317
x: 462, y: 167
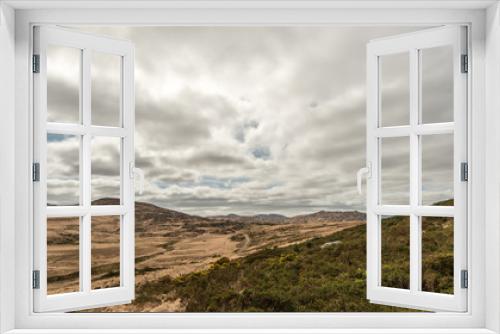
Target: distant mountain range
x: 273, y: 218
x: 147, y: 212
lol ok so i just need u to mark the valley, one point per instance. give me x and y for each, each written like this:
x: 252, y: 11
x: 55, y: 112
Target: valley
x: 171, y: 243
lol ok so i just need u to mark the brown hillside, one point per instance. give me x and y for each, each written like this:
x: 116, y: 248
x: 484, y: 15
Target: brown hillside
x: 172, y: 243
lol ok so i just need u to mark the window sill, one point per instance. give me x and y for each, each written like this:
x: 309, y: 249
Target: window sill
x: 253, y: 331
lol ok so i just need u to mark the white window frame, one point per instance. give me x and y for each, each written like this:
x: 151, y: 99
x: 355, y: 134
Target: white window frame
x: 483, y: 309
x: 85, y: 298
x: 454, y: 37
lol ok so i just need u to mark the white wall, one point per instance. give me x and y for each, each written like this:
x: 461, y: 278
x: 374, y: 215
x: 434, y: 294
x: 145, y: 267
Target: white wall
x: 492, y: 63
x: 7, y: 124
x: 7, y: 158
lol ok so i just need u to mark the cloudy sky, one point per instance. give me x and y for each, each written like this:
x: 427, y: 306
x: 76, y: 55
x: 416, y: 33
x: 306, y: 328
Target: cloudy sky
x: 247, y: 120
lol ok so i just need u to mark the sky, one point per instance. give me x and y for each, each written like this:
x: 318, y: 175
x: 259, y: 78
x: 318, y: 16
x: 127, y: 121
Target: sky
x: 249, y: 120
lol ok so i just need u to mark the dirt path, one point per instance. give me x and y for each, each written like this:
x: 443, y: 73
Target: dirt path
x: 246, y: 243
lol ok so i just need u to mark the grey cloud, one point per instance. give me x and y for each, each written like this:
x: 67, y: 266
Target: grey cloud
x: 261, y: 152
x: 108, y: 186
x: 106, y: 103
x: 144, y: 161
x: 241, y: 130
x: 63, y: 158
x: 437, y: 85
x: 62, y: 100
x: 173, y: 176
x: 182, y: 121
x: 105, y: 153
x: 215, y: 158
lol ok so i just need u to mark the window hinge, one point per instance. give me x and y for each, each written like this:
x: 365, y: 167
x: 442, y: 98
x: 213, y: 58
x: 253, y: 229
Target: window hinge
x: 464, y: 279
x: 36, y: 172
x: 36, y: 63
x: 464, y: 171
x: 465, y: 64
x: 36, y: 279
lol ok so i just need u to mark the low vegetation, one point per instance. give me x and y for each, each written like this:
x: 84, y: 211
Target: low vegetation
x: 315, y: 265
x: 326, y: 274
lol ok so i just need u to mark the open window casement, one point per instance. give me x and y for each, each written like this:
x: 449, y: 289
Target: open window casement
x: 406, y: 101
x: 72, y: 136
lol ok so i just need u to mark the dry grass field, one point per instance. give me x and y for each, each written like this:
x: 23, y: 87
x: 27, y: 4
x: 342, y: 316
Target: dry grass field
x: 171, y: 243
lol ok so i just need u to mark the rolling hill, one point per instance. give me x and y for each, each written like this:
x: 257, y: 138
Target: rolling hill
x: 321, y: 274
x: 170, y: 243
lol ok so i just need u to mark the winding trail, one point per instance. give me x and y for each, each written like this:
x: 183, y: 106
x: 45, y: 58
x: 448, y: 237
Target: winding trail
x: 245, y: 244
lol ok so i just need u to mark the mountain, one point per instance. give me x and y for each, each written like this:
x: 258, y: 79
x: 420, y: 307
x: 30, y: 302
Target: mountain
x: 150, y: 213
x: 156, y: 214
x: 322, y: 216
x: 145, y: 209
x: 147, y: 214
x: 106, y: 201
x: 271, y: 218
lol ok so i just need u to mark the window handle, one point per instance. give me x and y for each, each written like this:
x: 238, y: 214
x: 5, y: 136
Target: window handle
x: 134, y: 171
x: 365, y: 171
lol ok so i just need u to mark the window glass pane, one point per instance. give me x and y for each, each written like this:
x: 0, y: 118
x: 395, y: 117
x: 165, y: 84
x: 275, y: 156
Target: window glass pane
x: 105, y: 252
x: 63, y: 255
x: 437, y: 169
x: 63, y: 169
x: 394, y: 89
x: 106, y: 159
x: 437, y: 84
x: 437, y: 254
x: 63, y: 84
x: 395, y: 171
x: 395, y: 251
x: 106, y: 89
